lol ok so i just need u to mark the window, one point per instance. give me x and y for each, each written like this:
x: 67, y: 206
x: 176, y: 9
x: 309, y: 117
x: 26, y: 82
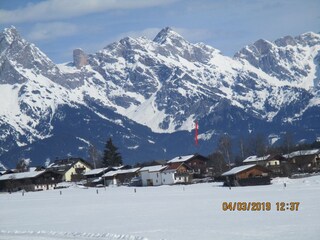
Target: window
x: 157, y: 175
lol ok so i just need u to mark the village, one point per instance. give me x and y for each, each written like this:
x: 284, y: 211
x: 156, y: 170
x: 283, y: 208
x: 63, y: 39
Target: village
x: 189, y: 169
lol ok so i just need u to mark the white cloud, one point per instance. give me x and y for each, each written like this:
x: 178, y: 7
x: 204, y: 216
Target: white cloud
x: 149, y: 33
x: 190, y: 34
x: 61, y: 9
x: 52, y: 30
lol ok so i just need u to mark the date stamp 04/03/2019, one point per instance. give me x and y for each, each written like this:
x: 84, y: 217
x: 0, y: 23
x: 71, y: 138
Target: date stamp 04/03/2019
x: 260, y: 206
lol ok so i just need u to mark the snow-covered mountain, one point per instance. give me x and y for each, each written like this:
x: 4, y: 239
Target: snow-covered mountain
x: 148, y: 93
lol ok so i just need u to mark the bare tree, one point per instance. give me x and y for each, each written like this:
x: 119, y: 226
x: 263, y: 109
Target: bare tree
x: 224, y: 146
x: 93, y: 155
x: 257, y: 145
x: 23, y: 165
x: 216, y: 163
x: 288, y: 142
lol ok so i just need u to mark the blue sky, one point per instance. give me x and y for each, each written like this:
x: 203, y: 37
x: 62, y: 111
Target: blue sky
x: 59, y: 26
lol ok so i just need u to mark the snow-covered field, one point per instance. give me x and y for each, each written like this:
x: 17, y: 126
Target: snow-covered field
x: 166, y: 212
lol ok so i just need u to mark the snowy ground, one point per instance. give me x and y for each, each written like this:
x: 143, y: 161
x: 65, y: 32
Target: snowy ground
x: 166, y: 212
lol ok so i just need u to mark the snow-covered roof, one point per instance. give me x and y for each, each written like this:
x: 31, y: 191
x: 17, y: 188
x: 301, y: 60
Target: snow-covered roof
x: 237, y: 170
x: 95, y: 171
x: 302, y: 153
x: 181, y: 159
x: 96, y: 180
x: 21, y: 175
x: 64, y: 165
x: 256, y: 159
x: 122, y: 171
x: 156, y: 168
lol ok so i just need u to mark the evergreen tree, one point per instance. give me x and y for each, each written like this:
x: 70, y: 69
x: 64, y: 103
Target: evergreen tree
x: 111, y: 157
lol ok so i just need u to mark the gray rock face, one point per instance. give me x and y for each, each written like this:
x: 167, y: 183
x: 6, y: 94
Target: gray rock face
x: 79, y: 58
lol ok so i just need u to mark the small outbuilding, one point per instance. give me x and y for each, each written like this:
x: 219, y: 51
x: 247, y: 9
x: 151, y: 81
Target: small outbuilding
x: 247, y: 175
x: 177, y: 173
x: 120, y: 177
x: 152, y: 175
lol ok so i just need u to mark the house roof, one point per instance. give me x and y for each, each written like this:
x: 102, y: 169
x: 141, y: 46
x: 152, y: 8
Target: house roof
x: 96, y: 171
x: 122, y: 171
x: 64, y: 165
x: 236, y: 170
x: 181, y: 159
x: 175, y: 166
x: 21, y: 175
x: 256, y: 159
x: 302, y: 153
x: 156, y: 168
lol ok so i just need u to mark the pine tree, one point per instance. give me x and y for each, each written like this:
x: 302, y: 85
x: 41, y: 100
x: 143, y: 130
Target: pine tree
x: 111, y: 157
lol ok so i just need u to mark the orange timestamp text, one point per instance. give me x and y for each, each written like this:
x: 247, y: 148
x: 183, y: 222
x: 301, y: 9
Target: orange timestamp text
x: 260, y: 206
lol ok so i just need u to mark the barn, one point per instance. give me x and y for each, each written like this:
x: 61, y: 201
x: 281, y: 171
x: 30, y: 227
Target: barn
x: 247, y: 175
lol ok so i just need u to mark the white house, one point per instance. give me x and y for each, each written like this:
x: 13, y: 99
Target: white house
x: 152, y: 175
x: 176, y: 173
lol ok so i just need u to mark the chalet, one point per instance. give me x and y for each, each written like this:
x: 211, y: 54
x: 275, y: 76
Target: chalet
x: 196, y: 162
x: 177, y: 172
x: 29, y: 181
x: 120, y: 177
x: 152, y: 175
x: 272, y: 162
x: 245, y: 175
x: 72, y: 169
x: 304, y: 160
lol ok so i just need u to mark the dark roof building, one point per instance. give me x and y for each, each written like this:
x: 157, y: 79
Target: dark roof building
x: 245, y: 175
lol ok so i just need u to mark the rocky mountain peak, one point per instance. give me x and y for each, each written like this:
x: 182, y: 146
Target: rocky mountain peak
x: 11, y: 34
x: 285, y: 41
x: 167, y: 34
x: 262, y: 46
x: 7, y: 37
x: 309, y: 38
x: 80, y: 59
